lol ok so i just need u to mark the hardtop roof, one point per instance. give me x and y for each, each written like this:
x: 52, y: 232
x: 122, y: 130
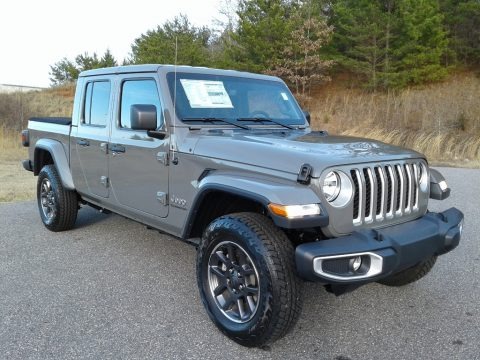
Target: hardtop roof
x: 148, y: 68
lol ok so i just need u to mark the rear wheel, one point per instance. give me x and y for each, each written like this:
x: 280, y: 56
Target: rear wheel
x: 410, y: 275
x: 58, y: 207
x: 247, y: 280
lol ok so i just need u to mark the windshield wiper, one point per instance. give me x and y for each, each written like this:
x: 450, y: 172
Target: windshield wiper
x: 261, y: 120
x: 213, y: 119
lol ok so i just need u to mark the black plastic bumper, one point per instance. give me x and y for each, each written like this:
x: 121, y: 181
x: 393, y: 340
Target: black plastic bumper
x: 27, y: 165
x: 399, y: 246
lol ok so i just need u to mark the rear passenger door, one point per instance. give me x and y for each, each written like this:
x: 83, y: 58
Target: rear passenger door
x: 138, y: 163
x: 92, y: 137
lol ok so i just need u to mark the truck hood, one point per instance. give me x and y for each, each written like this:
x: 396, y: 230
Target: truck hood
x: 289, y: 151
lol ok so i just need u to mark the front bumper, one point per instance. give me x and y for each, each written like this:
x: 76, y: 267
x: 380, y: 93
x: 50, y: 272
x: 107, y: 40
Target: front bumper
x: 382, y: 252
x: 27, y: 165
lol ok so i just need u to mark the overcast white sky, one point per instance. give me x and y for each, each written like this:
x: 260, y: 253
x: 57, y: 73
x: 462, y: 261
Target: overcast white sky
x: 35, y: 34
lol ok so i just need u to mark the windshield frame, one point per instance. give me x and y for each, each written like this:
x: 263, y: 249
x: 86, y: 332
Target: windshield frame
x: 297, y: 122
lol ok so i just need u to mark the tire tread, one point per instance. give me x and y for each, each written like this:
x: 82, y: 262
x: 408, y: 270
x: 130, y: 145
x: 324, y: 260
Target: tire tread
x: 410, y: 275
x: 67, y: 200
x: 286, y: 285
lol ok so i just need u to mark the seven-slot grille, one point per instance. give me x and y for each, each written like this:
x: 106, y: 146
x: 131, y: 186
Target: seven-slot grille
x: 385, y: 191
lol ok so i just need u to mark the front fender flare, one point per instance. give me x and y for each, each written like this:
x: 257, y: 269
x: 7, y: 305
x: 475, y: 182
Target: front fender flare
x: 278, y: 192
x: 56, y: 150
x: 264, y: 192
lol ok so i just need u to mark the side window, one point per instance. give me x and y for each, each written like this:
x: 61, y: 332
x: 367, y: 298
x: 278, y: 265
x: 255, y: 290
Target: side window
x: 97, y: 103
x: 139, y: 92
x: 88, y: 103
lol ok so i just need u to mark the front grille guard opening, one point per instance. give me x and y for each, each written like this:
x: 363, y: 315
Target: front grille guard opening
x: 386, y: 191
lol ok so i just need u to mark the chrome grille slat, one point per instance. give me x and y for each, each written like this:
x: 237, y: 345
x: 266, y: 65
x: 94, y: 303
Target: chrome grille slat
x: 372, y: 198
x: 383, y: 193
x: 386, y: 191
x: 409, y: 197
x: 356, y: 195
x: 401, y: 193
x: 415, y: 191
x: 393, y: 195
x: 363, y: 198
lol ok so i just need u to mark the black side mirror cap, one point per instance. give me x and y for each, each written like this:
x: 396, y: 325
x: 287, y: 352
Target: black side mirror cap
x: 307, y: 116
x: 143, y: 117
x: 439, y: 189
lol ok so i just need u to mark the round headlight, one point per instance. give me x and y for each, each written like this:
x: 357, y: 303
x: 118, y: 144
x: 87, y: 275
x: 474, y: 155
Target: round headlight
x: 331, y: 186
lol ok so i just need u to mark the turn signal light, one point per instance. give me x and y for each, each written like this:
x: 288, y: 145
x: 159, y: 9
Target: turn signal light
x: 25, y: 138
x: 295, y: 211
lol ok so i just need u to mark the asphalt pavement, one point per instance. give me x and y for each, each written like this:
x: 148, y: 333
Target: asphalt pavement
x: 112, y: 289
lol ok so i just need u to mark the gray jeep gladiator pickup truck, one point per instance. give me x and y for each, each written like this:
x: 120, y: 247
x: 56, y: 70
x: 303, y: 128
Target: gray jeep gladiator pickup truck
x: 226, y: 160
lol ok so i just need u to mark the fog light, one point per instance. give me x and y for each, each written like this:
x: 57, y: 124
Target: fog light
x: 355, y: 263
x: 348, y: 266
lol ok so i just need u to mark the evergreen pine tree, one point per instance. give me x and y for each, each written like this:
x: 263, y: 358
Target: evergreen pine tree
x: 264, y: 27
x: 108, y: 60
x: 420, y: 44
x: 158, y: 46
x: 462, y: 20
x: 362, y: 38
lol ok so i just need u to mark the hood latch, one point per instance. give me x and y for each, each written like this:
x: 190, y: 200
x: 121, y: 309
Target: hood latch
x: 305, y: 173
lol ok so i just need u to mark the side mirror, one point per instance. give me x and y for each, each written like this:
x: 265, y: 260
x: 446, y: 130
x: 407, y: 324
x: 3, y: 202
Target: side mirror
x: 307, y: 116
x: 143, y: 117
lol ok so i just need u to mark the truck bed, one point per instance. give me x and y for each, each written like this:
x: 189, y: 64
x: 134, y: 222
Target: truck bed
x: 49, y: 128
x: 53, y: 120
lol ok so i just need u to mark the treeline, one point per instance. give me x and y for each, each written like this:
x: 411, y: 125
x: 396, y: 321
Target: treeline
x: 384, y: 44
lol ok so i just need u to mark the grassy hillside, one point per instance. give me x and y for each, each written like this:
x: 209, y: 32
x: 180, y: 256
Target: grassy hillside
x: 440, y: 120
x: 16, y: 108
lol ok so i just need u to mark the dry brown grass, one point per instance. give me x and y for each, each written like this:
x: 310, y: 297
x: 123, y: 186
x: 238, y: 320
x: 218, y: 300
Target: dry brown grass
x: 452, y: 149
x: 15, y: 109
x: 442, y: 120
x: 16, y: 183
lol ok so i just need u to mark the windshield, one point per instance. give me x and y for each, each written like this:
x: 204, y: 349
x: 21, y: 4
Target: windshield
x: 237, y: 99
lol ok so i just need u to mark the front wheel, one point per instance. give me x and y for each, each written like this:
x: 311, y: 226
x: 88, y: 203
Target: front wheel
x: 58, y: 206
x: 246, y: 277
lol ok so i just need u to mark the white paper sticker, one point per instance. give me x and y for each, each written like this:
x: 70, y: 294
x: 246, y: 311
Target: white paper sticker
x: 284, y: 96
x: 206, y: 94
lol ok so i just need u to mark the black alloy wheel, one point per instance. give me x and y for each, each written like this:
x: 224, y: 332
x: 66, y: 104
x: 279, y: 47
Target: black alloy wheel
x: 233, y: 281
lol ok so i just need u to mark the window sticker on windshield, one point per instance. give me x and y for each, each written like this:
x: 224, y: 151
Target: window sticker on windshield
x: 284, y: 96
x: 206, y: 94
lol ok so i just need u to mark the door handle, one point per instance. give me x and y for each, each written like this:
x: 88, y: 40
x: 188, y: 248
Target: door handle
x: 104, y: 147
x: 116, y: 148
x: 83, y: 142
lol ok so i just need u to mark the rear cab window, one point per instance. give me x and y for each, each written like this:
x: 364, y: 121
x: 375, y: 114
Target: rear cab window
x: 97, y: 103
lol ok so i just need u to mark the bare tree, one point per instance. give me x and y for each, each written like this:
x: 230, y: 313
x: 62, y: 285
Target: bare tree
x: 302, y: 66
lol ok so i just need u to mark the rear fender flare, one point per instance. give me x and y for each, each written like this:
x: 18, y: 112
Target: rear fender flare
x: 60, y: 159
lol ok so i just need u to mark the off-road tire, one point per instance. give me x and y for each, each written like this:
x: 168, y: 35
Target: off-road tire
x: 410, y: 275
x: 65, y: 203
x: 272, y: 254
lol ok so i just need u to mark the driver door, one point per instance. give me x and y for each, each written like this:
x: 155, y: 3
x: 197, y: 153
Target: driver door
x: 138, y: 166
